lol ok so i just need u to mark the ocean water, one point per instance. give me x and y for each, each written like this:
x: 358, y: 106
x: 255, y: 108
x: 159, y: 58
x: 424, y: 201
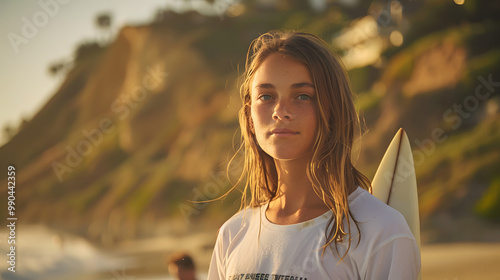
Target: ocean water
x: 43, y: 254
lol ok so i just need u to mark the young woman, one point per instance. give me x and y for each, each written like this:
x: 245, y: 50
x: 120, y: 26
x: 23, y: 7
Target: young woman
x: 309, y: 214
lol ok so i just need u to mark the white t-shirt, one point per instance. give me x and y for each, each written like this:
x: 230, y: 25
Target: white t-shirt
x: 249, y: 246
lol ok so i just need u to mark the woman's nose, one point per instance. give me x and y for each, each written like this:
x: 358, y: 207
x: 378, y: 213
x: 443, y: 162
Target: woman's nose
x: 282, y: 111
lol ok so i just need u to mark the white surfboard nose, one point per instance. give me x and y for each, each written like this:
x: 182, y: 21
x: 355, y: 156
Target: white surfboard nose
x: 395, y: 181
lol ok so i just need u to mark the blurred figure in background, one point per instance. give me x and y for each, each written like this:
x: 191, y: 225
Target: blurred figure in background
x: 181, y: 266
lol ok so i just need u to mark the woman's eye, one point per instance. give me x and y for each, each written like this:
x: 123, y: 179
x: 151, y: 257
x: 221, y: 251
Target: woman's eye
x: 265, y: 97
x: 304, y: 97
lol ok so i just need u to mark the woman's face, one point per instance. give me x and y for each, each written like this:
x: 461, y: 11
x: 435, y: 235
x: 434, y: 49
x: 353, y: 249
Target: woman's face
x: 284, y: 108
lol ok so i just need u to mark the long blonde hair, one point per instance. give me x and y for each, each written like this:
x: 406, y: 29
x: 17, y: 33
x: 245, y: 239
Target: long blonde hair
x: 330, y: 170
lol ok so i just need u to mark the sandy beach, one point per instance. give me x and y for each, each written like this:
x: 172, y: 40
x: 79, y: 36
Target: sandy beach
x: 460, y: 261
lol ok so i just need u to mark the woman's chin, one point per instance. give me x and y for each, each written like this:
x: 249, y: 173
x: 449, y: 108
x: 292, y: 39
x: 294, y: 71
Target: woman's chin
x: 287, y: 155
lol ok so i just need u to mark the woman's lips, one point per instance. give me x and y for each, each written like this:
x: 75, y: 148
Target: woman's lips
x: 283, y: 132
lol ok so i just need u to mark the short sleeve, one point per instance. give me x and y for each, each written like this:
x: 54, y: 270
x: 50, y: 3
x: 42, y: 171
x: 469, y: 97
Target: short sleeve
x: 216, y: 271
x: 396, y: 260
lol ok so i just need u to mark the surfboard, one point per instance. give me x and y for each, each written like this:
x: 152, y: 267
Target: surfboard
x: 395, y: 182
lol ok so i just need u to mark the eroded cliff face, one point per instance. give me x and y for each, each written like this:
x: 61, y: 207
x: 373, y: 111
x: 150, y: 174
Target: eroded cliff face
x: 132, y: 129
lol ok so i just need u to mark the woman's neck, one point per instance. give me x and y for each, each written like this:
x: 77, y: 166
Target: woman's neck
x: 296, y: 200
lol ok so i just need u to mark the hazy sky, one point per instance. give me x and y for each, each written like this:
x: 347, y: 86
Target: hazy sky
x: 56, y: 29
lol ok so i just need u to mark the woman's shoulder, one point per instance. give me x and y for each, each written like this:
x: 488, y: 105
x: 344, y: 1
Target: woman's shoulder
x: 376, y: 218
x: 239, y: 221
